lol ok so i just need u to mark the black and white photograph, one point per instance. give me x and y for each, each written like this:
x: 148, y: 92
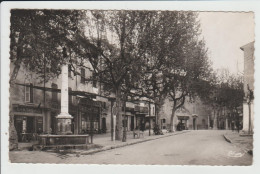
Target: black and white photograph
x: 130, y: 87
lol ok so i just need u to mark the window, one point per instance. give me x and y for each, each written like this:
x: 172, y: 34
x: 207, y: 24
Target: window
x: 94, y: 81
x: 153, y: 110
x: 164, y: 120
x: 194, y: 110
x: 82, y: 79
x: 69, y: 70
x: 54, y: 93
x: 70, y: 96
x: 29, y: 93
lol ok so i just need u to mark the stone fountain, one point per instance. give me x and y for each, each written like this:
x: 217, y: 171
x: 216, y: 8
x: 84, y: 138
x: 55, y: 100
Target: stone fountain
x: 64, y: 137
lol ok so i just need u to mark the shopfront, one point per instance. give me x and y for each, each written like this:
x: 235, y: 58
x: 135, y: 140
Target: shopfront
x: 28, y: 121
x: 128, y: 118
x: 183, y: 122
x: 141, y: 112
x: 89, y: 116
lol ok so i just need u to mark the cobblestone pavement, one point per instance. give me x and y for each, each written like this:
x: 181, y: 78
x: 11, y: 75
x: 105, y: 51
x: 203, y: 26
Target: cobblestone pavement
x: 240, y: 140
x: 206, y: 147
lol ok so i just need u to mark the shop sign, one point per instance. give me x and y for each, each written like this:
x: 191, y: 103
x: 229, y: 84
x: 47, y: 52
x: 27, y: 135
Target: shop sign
x: 90, y: 102
x: 28, y: 109
x: 128, y: 109
x: 144, y: 109
x: 141, y: 109
x: 90, y: 109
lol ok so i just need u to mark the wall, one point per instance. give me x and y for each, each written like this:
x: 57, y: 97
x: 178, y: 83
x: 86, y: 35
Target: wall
x: 17, y: 94
x: 196, y: 107
x: 248, y: 80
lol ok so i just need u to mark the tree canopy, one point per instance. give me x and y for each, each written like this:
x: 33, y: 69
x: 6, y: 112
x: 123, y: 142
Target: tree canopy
x: 137, y: 53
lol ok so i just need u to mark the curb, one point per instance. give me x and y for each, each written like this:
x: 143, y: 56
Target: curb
x: 226, y: 138
x: 127, y: 144
x: 245, y: 149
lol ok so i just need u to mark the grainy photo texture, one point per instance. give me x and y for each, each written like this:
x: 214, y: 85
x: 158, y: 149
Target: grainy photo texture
x: 131, y: 87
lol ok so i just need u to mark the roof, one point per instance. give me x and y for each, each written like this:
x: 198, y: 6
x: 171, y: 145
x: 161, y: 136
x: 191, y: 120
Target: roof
x: 182, y: 111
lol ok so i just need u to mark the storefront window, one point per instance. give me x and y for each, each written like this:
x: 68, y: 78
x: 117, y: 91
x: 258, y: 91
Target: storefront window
x: 86, y: 121
x: 54, y: 93
x: 26, y: 126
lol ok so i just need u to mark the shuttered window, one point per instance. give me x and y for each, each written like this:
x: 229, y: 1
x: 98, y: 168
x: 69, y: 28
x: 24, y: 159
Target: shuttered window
x: 82, y: 79
x: 29, y: 93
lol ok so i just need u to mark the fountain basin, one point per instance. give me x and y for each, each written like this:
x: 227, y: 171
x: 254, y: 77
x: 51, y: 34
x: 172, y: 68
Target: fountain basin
x: 47, y: 140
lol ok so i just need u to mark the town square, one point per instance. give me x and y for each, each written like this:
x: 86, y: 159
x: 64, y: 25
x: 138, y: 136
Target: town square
x: 131, y: 87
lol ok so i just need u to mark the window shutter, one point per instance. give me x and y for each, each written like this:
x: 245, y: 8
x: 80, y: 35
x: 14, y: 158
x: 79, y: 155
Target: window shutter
x: 31, y: 93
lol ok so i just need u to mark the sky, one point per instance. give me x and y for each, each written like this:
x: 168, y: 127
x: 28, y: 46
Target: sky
x: 224, y: 34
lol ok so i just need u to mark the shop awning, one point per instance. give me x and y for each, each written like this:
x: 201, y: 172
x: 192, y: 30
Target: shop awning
x: 127, y: 114
x: 183, y: 117
x: 75, y: 93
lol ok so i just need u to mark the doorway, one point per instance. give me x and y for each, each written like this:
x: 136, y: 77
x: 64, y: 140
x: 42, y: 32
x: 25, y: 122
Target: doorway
x: 30, y: 125
x: 53, y: 123
x: 204, y: 123
x: 104, y: 127
x: 18, y: 123
x: 194, y: 123
x: 132, y: 123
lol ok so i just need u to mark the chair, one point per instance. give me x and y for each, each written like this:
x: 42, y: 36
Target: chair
x: 141, y: 133
x: 136, y: 133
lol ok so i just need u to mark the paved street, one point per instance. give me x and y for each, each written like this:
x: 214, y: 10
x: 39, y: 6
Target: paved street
x: 203, y: 147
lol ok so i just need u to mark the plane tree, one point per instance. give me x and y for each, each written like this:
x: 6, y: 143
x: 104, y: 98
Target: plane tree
x: 36, y: 41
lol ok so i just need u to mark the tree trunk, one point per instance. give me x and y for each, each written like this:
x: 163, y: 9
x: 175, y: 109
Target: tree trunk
x: 13, y: 137
x: 118, y: 115
x: 249, y: 121
x: 215, y: 127
x: 172, y: 128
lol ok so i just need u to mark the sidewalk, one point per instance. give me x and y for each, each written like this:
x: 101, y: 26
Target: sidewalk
x: 244, y: 142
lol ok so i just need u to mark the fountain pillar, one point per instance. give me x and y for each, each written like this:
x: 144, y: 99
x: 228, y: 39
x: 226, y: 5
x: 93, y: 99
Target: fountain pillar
x: 64, y: 118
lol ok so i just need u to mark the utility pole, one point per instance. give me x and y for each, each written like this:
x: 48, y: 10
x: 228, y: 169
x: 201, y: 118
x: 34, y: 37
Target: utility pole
x: 250, y: 97
x: 44, y: 93
x: 149, y: 106
x: 124, y: 123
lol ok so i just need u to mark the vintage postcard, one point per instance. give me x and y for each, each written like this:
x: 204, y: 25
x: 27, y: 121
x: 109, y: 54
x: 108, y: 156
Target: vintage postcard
x: 128, y: 85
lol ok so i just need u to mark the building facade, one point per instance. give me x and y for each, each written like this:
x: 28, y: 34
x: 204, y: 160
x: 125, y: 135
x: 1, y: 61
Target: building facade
x: 248, y: 104
x: 192, y: 115
x: 35, y: 105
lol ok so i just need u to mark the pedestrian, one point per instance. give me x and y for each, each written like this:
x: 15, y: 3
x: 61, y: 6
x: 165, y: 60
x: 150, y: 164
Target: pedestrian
x: 238, y: 126
x: 232, y: 125
x: 39, y: 131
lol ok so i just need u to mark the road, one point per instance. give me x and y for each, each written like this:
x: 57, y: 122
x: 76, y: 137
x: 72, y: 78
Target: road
x: 203, y: 147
